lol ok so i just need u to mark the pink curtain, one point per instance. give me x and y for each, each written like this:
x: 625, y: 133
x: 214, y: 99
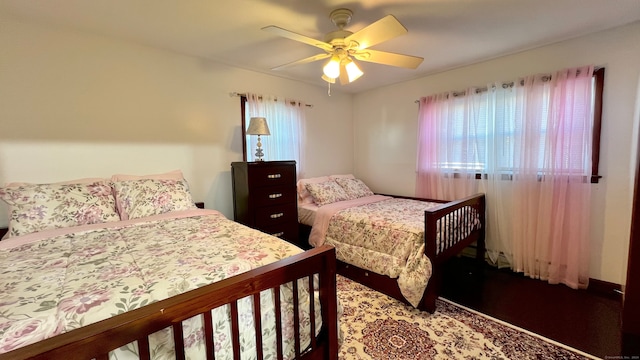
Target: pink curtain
x: 447, y: 145
x: 531, y: 141
x: 551, y: 177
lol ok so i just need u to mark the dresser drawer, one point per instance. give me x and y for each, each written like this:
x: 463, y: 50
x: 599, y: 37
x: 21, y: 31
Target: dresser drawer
x: 272, y: 176
x: 285, y: 231
x: 265, y: 196
x: 267, y: 216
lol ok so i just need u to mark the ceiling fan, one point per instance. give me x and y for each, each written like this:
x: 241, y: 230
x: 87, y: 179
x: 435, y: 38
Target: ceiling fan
x: 343, y: 47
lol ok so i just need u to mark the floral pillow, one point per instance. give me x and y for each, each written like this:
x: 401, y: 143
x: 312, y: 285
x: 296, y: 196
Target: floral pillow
x: 147, y: 197
x: 304, y: 197
x: 37, y: 207
x: 326, y: 192
x: 355, y: 188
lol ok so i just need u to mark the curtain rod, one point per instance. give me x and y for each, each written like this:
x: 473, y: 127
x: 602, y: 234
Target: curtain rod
x: 545, y: 77
x: 232, y: 94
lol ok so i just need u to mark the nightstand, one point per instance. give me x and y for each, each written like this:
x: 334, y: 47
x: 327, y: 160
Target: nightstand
x: 265, y: 198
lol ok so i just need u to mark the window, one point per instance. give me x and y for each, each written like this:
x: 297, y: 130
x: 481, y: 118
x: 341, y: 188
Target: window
x: 285, y: 119
x: 542, y: 135
x: 478, y: 129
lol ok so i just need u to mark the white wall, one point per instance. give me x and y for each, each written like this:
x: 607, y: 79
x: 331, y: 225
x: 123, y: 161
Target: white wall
x: 385, y: 128
x: 79, y: 105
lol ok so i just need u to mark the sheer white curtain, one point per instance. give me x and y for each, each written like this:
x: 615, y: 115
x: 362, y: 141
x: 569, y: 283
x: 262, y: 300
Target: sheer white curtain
x: 285, y: 118
x: 531, y: 141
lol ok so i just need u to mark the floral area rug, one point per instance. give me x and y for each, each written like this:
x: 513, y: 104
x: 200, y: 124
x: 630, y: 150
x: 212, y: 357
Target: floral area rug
x: 376, y: 326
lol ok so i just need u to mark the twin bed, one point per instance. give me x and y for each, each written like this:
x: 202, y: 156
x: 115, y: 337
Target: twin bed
x: 396, y: 245
x: 128, y: 267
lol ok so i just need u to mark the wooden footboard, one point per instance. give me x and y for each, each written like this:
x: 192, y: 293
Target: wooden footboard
x: 454, y: 241
x: 98, y: 339
x: 443, y: 242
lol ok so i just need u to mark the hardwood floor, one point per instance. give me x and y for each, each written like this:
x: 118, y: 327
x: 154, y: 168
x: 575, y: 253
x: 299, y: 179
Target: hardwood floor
x: 585, y: 320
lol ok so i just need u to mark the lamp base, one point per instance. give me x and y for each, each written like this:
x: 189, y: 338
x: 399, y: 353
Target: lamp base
x: 259, y: 153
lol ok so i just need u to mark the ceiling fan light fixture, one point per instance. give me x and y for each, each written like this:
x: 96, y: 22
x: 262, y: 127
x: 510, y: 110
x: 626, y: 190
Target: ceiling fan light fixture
x: 332, y: 68
x: 353, y: 71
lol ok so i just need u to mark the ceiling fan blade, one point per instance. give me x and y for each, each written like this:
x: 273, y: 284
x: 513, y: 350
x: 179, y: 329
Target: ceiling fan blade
x: 382, y: 30
x: 297, y: 37
x: 303, y: 61
x: 388, y: 58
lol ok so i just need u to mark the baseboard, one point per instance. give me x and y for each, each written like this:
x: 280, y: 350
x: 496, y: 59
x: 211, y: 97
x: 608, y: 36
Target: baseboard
x: 600, y: 287
x: 605, y: 288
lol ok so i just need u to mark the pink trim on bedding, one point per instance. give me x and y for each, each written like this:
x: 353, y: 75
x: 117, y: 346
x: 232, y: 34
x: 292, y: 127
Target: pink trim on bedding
x: 15, y: 241
x: 325, y: 212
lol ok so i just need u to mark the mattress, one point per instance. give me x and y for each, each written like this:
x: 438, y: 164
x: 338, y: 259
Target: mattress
x: 307, y: 213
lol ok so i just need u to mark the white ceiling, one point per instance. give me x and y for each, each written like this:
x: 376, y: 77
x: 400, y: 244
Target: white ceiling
x: 446, y: 33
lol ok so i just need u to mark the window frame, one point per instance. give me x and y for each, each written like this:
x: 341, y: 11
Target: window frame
x: 598, y: 74
x: 243, y: 114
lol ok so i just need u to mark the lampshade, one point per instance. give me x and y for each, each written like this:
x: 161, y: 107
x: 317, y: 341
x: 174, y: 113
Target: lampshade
x: 332, y: 68
x: 353, y: 71
x: 328, y: 79
x: 258, y: 126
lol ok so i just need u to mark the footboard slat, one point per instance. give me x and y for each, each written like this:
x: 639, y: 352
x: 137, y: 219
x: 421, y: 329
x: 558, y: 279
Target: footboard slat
x: 95, y: 341
x: 276, y: 297
x: 257, y: 320
x: 143, y: 348
x: 209, y: 343
x: 235, y: 330
x: 296, y: 319
x: 312, y: 313
x: 178, y: 340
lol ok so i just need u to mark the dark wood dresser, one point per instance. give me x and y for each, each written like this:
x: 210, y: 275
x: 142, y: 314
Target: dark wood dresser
x: 265, y: 198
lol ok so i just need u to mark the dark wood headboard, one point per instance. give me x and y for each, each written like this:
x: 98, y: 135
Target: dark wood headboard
x: 3, y: 230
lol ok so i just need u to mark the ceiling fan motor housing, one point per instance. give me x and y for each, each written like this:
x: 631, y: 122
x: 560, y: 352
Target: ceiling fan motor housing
x: 341, y: 17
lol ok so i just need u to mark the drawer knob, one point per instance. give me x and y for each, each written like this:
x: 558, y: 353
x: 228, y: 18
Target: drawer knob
x: 278, y: 234
x: 274, y: 176
x: 275, y: 196
x: 275, y: 216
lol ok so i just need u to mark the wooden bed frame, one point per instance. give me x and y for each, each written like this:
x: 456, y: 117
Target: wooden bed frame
x: 438, y: 257
x: 96, y: 340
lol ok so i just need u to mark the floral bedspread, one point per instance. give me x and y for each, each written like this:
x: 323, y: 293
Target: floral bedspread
x: 386, y: 237
x: 68, y: 278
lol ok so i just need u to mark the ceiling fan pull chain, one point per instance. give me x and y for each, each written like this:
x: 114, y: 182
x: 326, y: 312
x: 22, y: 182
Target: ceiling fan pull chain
x: 329, y: 90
